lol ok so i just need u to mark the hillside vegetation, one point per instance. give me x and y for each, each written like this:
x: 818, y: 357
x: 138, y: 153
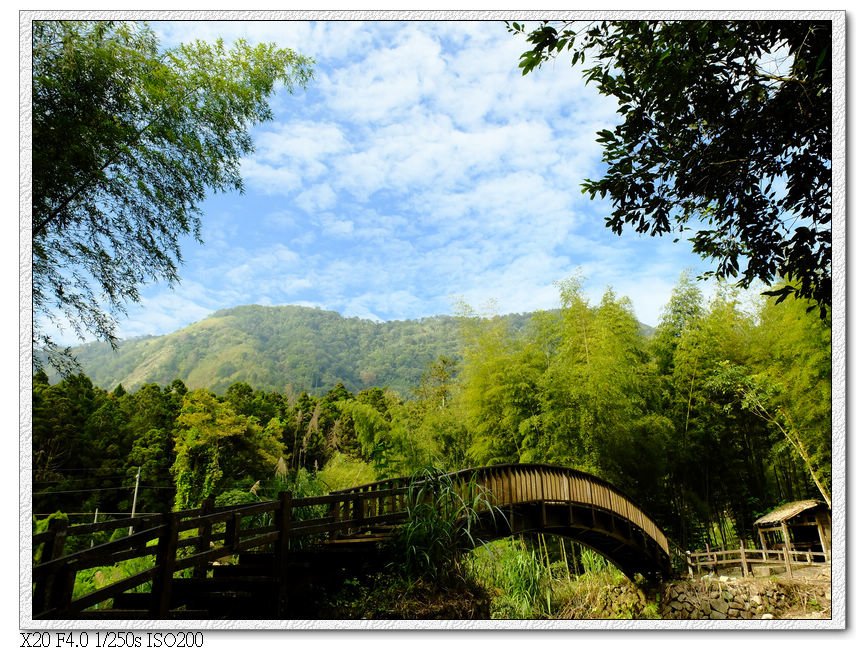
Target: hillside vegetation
x: 280, y: 348
x: 713, y: 420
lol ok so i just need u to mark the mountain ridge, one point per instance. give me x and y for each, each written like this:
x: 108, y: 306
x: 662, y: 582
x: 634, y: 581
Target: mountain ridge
x: 286, y: 348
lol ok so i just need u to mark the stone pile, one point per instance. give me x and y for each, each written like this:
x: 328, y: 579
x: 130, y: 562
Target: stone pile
x: 607, y: 601
x: 724, y: 598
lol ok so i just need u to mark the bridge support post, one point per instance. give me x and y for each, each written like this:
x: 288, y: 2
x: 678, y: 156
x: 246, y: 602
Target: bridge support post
x: 746, y: 570
x: 232, y: 532
x: 44, y: 596
x: 166, y: 555
x: 204, y: 531
x: 282, y: 552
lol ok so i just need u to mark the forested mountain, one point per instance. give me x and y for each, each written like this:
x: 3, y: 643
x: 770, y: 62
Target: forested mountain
x: 279, y: 348
x: 713, y: 420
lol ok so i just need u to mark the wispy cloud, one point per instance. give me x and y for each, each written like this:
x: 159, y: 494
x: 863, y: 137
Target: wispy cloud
x: 418, y: 167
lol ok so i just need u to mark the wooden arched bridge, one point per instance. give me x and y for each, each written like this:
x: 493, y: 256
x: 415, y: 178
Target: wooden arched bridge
x: 169, y: 565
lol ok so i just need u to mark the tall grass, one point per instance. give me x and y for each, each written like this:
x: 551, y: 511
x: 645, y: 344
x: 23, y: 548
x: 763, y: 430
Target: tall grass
x: 516, y: 576
x: 533, y: 578
x: 443, y: 518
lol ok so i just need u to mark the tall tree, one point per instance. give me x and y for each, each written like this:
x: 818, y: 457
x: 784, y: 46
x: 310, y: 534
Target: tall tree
x: 500, y: 398
x: 127, y: 141
x: 218, y: 449
x: 789, y: 388
x: 723, y: 123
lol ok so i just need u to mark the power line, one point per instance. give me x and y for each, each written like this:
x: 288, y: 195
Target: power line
x: 90, y: 514
x: 81, y: 480
x: 128, y: 487
x: 83, y: 469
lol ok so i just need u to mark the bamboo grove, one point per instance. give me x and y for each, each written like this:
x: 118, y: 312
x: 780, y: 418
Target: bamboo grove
x: 714, y: 418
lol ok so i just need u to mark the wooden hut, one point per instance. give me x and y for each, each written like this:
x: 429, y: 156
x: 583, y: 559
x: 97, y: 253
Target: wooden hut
x: 797, y: 526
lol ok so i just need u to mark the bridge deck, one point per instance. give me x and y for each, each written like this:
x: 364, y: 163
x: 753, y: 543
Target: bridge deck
x: 524, y: 498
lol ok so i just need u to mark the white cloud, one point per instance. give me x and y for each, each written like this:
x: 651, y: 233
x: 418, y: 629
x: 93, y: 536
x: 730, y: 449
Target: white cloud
x: 316, y: 198
x: 269, y: 179
x: 336, y: 227
x: 299, y: 144
x: 387, y: 81
x: 420, y: 165
x: 162, y: 311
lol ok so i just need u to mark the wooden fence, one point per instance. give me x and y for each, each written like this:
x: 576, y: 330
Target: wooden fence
x: 190, y: 540
x: 746, y: 559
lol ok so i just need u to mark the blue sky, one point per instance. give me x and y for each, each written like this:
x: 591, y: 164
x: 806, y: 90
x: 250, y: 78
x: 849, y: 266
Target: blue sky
x: 418, y: 169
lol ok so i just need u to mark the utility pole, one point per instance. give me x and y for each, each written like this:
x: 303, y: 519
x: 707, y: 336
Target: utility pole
x: 135, y: 495
x: 95, y: 518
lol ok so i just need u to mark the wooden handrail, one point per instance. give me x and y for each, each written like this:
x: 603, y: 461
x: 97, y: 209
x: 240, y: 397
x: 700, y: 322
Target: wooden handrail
x: 380, y: 503
x: 747, y: 558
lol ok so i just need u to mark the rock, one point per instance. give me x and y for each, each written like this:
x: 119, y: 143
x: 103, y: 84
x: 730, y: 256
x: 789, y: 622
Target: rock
x: 719, y: 605
x: 767, y: 617
x: 717, y: 616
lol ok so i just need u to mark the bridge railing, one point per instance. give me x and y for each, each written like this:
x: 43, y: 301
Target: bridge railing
x: 190, y: 540
x: 507, y: 485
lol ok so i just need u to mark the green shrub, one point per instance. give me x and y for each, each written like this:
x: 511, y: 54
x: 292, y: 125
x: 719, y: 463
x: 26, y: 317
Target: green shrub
x: 342, y: 472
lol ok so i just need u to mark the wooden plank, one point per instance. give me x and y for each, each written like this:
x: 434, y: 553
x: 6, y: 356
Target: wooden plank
x: 204, y: 557
x: 89, y: 529
x: 495, y: 487
x: 120, y: 556
x: 112, y: 590
x: 521, y: 483
x: 101, y: 553
x: 521, y: 486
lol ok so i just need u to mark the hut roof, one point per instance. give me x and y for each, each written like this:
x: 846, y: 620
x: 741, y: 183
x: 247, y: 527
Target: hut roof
x: 788, y: 511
